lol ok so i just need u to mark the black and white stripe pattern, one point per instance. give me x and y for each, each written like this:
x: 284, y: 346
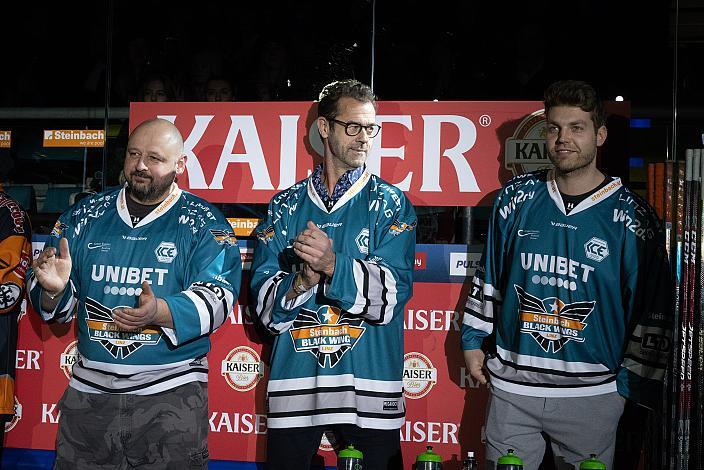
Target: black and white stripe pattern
x: 100, y: 377
x: 315, y: 401
x: 376, y: 292
x: 646, y: 354
x: 482, y: 304
x: 213, y: 303
x: 60, y: 315
x: 265, y: 304
x: 528, y: 375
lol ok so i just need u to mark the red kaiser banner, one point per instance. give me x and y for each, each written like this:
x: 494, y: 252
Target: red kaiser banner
x: 439, y: 153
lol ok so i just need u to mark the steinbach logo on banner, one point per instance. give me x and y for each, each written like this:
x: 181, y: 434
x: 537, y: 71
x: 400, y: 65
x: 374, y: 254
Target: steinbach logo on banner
x: 439, y: 153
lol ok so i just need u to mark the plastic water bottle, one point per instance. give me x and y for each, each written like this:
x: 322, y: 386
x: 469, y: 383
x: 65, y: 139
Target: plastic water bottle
x: 428, y: 460
x: 470, y: 463
x: 349, y: 459
x: 592, y: 463
x: 510, y: 461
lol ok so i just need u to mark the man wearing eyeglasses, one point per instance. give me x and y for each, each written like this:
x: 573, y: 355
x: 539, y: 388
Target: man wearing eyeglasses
x: 332, y: 272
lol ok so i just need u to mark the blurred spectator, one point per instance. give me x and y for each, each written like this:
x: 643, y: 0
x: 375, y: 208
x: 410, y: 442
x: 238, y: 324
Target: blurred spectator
x: 205, y: 63
x: 219, y: 89
x: 156, y: 88
x: 271, y: 79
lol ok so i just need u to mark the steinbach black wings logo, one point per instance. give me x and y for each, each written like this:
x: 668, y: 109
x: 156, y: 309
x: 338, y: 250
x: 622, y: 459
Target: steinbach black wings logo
x: 550, y: 321
x: 118, y: 343
x: 327, y: 333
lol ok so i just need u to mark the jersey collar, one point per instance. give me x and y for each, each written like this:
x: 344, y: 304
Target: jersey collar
x: 595, y: 198
x: 160, y: 210
x: 349, y: 194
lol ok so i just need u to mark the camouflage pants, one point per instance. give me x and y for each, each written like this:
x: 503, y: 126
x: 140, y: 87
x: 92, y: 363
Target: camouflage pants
x: 168, y: 430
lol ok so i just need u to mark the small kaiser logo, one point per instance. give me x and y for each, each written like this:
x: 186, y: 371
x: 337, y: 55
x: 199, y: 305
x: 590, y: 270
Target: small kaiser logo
x: 16, y: 418
x: 419, y: 375
x: 242, y: 368
x: 68, y: 358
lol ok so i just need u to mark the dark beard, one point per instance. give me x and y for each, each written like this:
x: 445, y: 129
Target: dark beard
x: 154, y: 191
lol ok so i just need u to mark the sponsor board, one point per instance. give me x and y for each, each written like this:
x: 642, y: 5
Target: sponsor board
x: 5, y: 139
x: 464, y: 264
x: 74, y: 138
x: 243, y: 227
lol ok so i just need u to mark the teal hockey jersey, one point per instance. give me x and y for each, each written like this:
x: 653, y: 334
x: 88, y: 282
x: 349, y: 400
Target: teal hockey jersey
x: 184, y: 248
x: 580, y: 302
x: 338, y: 349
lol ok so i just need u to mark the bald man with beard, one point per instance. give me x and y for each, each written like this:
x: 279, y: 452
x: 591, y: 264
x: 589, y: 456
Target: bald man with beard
x: 149, y: 272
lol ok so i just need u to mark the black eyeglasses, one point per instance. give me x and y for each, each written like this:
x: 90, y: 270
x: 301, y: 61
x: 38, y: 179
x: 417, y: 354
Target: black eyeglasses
x: 354, y: 128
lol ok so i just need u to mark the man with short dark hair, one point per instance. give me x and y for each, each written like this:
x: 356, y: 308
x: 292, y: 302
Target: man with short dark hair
x: 574, y: 295
x: 149, y: 272
x: 332, y: 272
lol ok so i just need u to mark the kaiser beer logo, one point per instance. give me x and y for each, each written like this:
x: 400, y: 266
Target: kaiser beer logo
x: 327, y: 333
x: 242, y: 368
x: 552, y: 322
x: 68, y: 358
x: 118, y: 343
x: 16, y: 418
x: 526, y: 150
x: 419, y: 375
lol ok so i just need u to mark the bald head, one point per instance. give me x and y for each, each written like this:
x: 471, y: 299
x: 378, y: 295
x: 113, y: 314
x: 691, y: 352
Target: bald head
x: 163, y: 130
x: 153, y: 161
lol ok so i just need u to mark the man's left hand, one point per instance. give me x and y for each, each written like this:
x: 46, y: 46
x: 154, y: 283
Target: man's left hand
x: 314, y: 247
x: 149, y: 312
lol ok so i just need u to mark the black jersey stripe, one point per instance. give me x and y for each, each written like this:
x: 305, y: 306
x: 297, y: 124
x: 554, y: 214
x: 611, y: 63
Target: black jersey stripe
x: 166, y: 378
x: 552, y: 385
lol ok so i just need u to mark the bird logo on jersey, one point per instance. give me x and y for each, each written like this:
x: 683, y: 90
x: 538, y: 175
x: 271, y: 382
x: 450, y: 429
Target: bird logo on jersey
x: 327, y: 334
x: 398, y: 227
x: 224, y: 237
x: 118, y: 343
x: 550, y: 321
x: 265, y: 235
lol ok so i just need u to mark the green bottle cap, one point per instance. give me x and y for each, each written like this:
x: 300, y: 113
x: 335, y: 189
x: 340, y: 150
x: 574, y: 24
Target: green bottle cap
x: 350, y: 452
x: 428, y: 456
x: 592, y: 463
x: 510, y: 459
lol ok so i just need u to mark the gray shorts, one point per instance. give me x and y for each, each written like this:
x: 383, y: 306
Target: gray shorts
x: 168, y: 430
x: 577, y: 426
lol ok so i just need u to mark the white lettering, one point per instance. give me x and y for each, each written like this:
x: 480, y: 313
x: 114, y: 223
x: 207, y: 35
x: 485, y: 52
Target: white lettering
x: 50, y: 414
x: 378, y: 152
x: 254, y: 155
x: 431, y: 152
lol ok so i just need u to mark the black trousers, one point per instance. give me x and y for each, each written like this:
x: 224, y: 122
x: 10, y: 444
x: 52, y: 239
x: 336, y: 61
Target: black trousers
x: 294, y: 448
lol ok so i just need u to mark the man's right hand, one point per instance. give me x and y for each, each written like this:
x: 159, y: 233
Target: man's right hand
x: 53, y: 268
x: 474, y: 358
